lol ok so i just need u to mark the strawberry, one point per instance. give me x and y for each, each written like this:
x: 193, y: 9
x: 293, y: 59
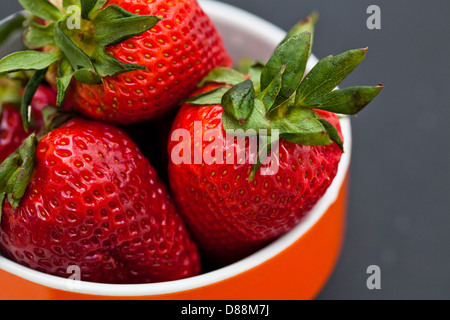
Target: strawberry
x: 233, y: 199
x: 43, y: 97
x: 90, y: 199
x: 12, y: 132
x: 127, y: 60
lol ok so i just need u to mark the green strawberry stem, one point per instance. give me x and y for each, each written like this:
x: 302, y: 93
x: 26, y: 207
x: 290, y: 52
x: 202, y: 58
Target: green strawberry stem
x: 78, y: 53
x: 279, y: 96
x: 30, y: 90
x: 10, y: 87
x: 54, y: 118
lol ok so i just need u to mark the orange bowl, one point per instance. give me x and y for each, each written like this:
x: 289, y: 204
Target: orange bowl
x: 295, y: 266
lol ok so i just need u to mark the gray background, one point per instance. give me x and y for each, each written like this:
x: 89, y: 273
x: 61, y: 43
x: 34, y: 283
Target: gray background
x: 399, y: 210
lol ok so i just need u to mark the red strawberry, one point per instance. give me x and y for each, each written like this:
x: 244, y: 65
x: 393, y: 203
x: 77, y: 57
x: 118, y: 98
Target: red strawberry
x: 12, y: 132
x: 232, y: 206
x: 131, y: 60
x: 232, y: 216
x: 93, y: 201
x: 43, y: 97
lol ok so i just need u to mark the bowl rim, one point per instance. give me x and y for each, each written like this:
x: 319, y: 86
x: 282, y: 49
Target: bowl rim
x: 218, y: 11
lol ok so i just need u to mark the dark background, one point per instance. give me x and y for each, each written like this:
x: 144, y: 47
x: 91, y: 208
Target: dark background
x: 399, y: 208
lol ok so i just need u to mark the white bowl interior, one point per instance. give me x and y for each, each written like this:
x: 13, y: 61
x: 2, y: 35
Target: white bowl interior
x: 246, y: 35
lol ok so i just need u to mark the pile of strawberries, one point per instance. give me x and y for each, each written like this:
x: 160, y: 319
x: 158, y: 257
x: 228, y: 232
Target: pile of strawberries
x: 96, y: 169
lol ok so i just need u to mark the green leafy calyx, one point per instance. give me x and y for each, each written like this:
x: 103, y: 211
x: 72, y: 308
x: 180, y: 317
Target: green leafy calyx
x: 16, y: 172
x: 279, y: 95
